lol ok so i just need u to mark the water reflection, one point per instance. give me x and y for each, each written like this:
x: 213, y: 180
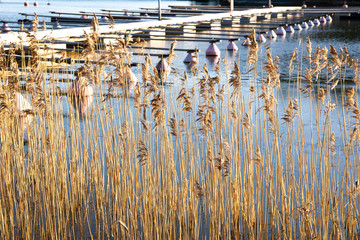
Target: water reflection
x: 231, y: 55
x: 213, y: 61
x: 192, y: 67
x: 282, y: 38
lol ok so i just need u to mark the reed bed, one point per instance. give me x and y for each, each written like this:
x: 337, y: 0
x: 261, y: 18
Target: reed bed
x: 203, y: 161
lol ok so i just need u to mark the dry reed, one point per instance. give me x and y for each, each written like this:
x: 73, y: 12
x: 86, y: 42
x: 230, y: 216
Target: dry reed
x: 216, y: 164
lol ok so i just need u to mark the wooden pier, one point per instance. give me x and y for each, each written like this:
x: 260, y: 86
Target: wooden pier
x: 198, y: 20
x: 185, y: 22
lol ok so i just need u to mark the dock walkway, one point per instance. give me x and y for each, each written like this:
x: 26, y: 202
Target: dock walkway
x: 204, y: 18
x: 17, y: 37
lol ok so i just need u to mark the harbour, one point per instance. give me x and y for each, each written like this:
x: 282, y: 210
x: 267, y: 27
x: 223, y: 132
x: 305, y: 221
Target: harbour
x: 210, y: 123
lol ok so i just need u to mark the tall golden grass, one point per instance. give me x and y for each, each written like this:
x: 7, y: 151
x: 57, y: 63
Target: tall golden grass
x: 211, y: 162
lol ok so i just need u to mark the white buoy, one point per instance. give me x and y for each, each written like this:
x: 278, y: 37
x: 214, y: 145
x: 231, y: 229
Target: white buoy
x: 246, y: 42
x: 280, y: 31
x: 162, y: 65
x: 316, y: 21
x: 80, y: 87
x: 104, y: 19
x: 130, y: 79
x: 261, y: 38
x: 163, y: 68
x: 130, y: 76
x: 213, y: 50
x: 290, y: 29
x: 304, y: 25
x: 191, y: 57
x: 5, y: 28
x: 32, y: 26
x: 310, y: 23
x: 21, y: 105
x: 57, y: 25
x: 271, y: 35
x: 231, y: 46
x: 304, y: 6
x: 297, y: 27
x: 328, y: 18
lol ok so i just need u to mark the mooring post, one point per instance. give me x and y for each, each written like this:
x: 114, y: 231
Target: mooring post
x: 159, y: 7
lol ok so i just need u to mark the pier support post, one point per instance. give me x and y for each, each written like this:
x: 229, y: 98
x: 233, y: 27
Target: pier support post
x: 227, y: 22
x: 160, y: 32
x: 263, y: 17
x: 203, y: 26
x: 247, y: 19
x: 277, y: 15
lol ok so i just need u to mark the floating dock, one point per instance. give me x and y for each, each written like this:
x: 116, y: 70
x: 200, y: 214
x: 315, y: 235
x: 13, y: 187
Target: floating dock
x: 185, y: 22
x: 202, y: 20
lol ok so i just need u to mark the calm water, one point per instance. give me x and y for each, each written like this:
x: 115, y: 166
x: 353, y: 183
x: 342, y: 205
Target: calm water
x: 336, y: 33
